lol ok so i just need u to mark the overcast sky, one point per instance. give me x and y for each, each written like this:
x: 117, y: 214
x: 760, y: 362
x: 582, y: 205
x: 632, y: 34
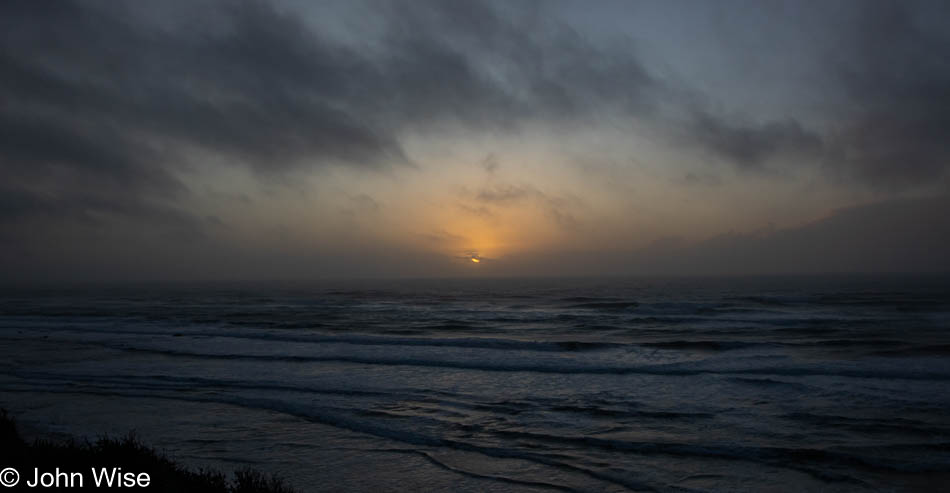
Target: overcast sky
x: 294, y: 139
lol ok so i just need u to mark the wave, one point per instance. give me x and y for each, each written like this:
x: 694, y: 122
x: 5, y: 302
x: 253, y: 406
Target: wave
x: 768, y: 382
x: 672, y: 369
x: 794, y: 458
x: 818, y: 462
x: 341, y: 419
x: 370, y: 340
x: 605, y: 305
x: 921, y: 350
x: 495, y: 477
x: 704, y: 345
x: 169, y: 382
x: 765, y: 300
x: 613, y: 413
x: 888, y: 425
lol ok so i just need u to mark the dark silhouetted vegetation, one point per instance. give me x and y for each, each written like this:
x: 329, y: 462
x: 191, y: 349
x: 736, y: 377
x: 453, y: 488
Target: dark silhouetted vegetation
x: 127, y: 453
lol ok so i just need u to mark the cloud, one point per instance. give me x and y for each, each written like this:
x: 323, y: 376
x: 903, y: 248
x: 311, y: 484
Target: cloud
x: 100, y: 108
x: 440, y: 237
x: 507, y: 194
x: 480, y: 211
x: 361, y: 206
x: 106, y: 107
x: 126, y: 95
x: 895, y: 93
x: 892, y: 236
x: 750, y: 146
x: 693, y: 179
x: 560, y: 208
x: 119, y: 89
x: 489, y: 164
x: 262, y: 88
x: 103, y: 103
x: 906, y: 235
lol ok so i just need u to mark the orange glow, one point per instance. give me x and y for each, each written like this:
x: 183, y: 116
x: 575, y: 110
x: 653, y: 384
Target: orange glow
x: 475, y: 260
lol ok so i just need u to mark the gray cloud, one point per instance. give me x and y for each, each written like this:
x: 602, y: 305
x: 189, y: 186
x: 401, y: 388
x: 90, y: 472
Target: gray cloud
x: 103, y: 104
x: 909, y: 235
x: 506, y: 194
x: 116, y: 89
x: 361, y: 205
x: 750, y: 146
x: 560, y: 208
x: 441, y: 236
x: 99, y: 107
x: 694, y: 179
x: 882, y: 79
x: 895, y: 82
x: 120, y: 95
x: 897, y: 236
x: 104, y: 100
x: 489, y: 164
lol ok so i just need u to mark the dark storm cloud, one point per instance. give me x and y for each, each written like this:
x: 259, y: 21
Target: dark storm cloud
x: 120, y: 95
x: 105, y: 105
x: 895, y: 76
x: 104, y: 89
x: 750, y: 146
x: 540, y: 67
x: 98, y: 106
x: 104, y: 100
x: 260, y: 87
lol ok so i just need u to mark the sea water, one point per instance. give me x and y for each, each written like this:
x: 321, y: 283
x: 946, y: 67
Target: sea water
x: 751, y: 384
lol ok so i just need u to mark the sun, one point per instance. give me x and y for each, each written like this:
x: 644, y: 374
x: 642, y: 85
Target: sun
x: 476, y: 260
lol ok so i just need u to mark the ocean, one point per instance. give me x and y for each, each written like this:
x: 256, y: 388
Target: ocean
x: 678, y: 384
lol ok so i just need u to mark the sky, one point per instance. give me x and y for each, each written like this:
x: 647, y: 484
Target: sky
x: 265, y: 139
